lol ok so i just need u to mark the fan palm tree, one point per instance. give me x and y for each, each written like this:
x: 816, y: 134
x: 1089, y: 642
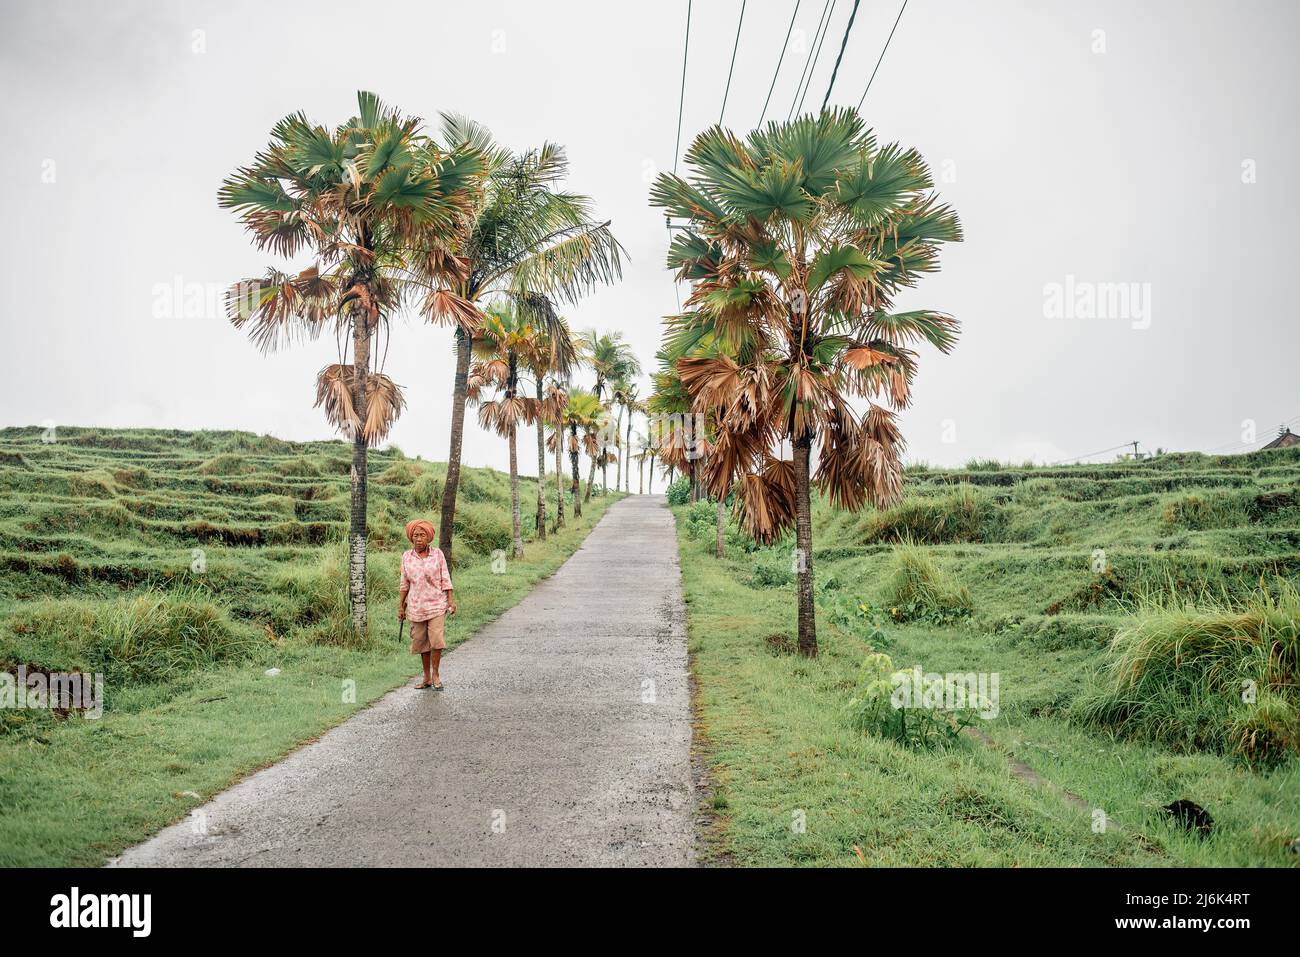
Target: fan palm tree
x: 552, y: 400
x: 502, y: 336
x: 359, y: 198
x: 526, y: 239
x: 797, y: 240
x: 625, y: 392
x: 549, y: 350
x: 584, y: 417
x: 613, y: 362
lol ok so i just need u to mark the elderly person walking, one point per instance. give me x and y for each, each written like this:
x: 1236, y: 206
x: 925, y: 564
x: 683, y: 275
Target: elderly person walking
x: 424, y: 596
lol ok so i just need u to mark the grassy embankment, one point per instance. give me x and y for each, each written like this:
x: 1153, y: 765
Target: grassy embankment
x: 1120, y: 673
x: 99, y: 572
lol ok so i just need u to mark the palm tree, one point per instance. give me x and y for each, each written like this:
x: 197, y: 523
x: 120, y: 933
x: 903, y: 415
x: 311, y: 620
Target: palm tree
x: 797, y: 240
x: 549, y: 351
x: 613, y: 361
x: 551, y: 400
x: 625, y: 395
x: 359, y: 198
x: 526, y: 238
x: 502, y: 336
x: 583, y: 417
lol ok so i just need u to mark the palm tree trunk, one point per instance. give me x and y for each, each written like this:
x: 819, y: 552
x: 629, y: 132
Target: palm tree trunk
x: 573, y: 461
x: 628, y: 476
x: 559, y: 476
x: 722, y: 529
x: 541, y: 468
x: 640, y: 477
x: 357, y: 516
x: 618, y: 463
x: 803, y: 547
x: 591, y: 478
x: 448, y: 519
x: 516, y: 521
x: 652, y: 475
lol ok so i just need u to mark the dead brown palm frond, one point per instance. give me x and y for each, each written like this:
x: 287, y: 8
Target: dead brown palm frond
x: 384, y: 402
x: 554, y: 404
x: 501, y: 415
x: 334, y: 395
x: 445, y: 307
x: 278, y: 308
x: 765, y: 501
x: 711, y: 381
x: 841, y: 472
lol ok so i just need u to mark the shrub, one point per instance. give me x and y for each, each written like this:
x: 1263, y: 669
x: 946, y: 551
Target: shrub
x: 1215, y: 678
x: 908, y: 706
x: 771, y: 569
x: 679, y: 493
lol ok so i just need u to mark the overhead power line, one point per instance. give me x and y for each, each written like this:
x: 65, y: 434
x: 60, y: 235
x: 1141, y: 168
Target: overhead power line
x: 882, y: 54
x: 808, y: 59
x: 686, y: 49
x: 843, y: 43
x: 779, y: 61
x: 1077, y: 458
x: 818, y: 55
x: 734, y: 48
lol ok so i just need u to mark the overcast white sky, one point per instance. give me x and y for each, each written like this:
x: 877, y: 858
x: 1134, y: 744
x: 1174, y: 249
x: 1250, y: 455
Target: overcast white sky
x: 1110, y: 157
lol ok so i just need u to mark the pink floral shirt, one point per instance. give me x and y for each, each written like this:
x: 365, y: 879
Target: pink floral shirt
x: 428, y: 582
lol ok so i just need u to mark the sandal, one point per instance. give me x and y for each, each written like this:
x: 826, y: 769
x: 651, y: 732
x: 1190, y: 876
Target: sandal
x: 437, y: 685
x: 423, y: 685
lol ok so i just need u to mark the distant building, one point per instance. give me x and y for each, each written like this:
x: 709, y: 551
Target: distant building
x: 1285, y: 440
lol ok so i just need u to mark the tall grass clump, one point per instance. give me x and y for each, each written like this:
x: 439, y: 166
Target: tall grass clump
x: 964, y: 515
x: 1222, y: 678
x: 153, y: 636
x: 917, y: 589
x: 315, y: 597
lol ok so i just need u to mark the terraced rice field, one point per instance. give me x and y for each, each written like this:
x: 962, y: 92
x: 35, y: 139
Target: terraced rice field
x: 1057, y: 580
x: 185, y: 566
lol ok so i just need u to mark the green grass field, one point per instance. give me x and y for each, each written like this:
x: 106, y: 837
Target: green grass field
x: 1063, y: 582
x: 183, y: 566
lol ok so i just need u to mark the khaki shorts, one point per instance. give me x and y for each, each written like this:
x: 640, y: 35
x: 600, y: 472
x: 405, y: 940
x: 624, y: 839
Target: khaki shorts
x: 427, y: 635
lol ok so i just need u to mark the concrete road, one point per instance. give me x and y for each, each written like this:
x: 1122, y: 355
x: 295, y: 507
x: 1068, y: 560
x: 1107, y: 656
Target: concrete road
x: 562, y: 738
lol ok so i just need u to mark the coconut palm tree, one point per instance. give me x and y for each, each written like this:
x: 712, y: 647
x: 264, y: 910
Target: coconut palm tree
x: 526, y: 238
x: 797, y: 240
x: 358, y: 198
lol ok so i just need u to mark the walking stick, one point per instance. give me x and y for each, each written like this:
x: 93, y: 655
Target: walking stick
x: 401, y: 623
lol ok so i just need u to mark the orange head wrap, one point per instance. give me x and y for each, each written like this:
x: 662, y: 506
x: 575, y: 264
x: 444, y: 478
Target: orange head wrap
x: 420, y: 523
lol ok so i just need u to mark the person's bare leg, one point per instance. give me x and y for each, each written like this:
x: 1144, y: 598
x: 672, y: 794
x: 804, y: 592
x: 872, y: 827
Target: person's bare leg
x: 436, y: 655
x: 424, y: 660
